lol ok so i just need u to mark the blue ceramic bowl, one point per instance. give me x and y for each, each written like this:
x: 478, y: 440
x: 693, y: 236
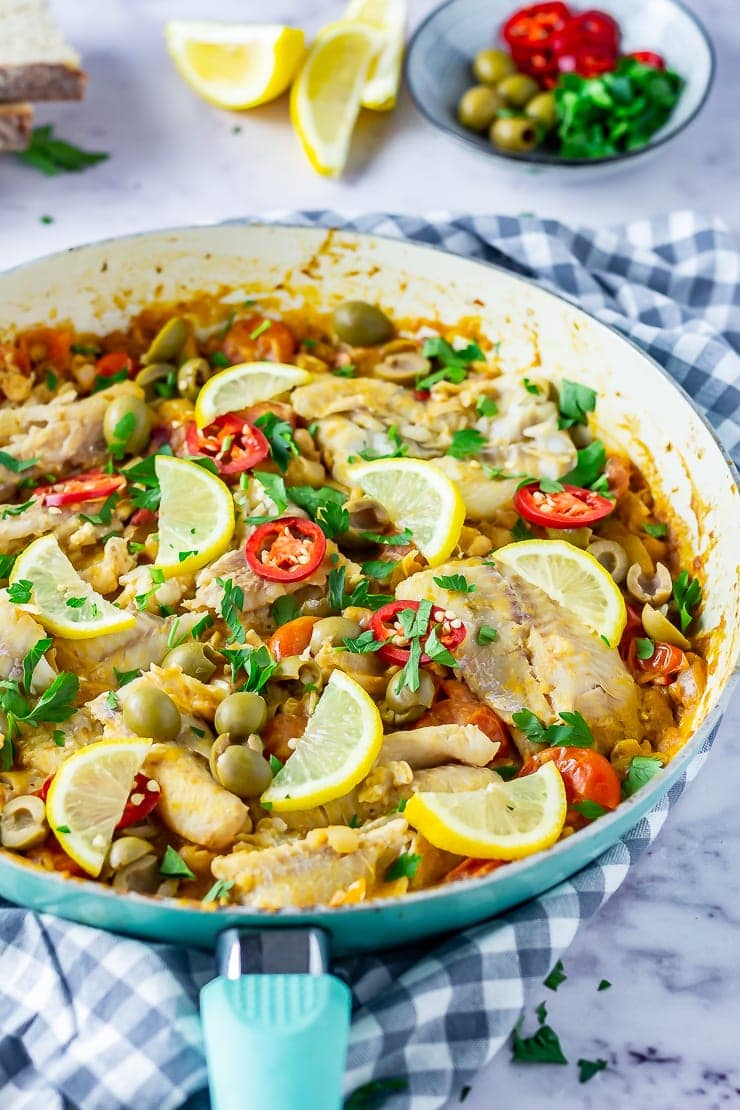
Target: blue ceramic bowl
x: 440, y: 54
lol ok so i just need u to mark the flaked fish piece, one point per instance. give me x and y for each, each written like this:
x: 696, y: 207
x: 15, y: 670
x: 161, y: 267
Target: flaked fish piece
x: 137, y: 583
x: 192, y: 804
x: 73, y: 533
x: 105, y: 572
x: 542, y: 659
x: 96, y: 660
x: 433, y: 745
x: 65, y: 435
x: 37, y: 750
x: 19, y: 632
x: 303, y: 873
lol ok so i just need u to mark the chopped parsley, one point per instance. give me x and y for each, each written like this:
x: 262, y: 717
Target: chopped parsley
x: 547, y: 485
x: 543, y: 1047
x: 641, y: 770
x: 174, y: 866
x: 279, y: 435
x: 85, y: 349
x: 105, y: 516
x: 364, y: 643
x: 52, y: 155
x: 16, y: 466
x: 104, y: 381
x: 590, y: 810
x: 175, y: 638
x: 112, y: 699
x: 465, y: 442
x: 124, y: 677
x: 507, y: 770
x: 54, y: 705
x: 687, y: 595
x: 657, y: 531
x: 261, y: 328
x: 232, y: 604
x: 348, y: 371
x: 530, y: 386
x: 603, y: 985
x: 276, y: 764
x: 332, y: 519
x: 204, y: 622
x: 576, y: 402
x: 121, y: 435
x: 400, y: 449
x: 20, y: 592
x: 219, y: 360
x: 486, y: 406
x: 6, y: 565
x: 405, y: 866
x: 144, y: 488
x: 458, y: 583
x: 219, y: 890
x: 587, y: 1069
x: 274, y: 487
x: 380, y: 569
x: 590, y: 465
x: 32, y: 659
x: 399, y: 539
x: 453, y: 363
x: 574, y: 732
x: 644, y: 647
x: 284, y: 609
x: 75, y: 602
x: 556, y: 977
x: 16, y: 510
x: 59, y: 737
x: 520, y: 531
x: 256, y: 663
x: 486, y: 635
x: 51, y: 381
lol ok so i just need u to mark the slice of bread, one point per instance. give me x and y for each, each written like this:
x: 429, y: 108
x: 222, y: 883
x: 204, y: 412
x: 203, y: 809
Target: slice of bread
x: 15, y: 126
x: 35, y: 61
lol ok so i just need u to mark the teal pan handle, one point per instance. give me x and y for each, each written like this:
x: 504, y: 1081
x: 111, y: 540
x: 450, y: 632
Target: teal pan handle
x: 275, y: 1038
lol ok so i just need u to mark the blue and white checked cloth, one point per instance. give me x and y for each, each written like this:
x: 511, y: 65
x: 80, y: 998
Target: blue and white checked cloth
x: 89, y: 1021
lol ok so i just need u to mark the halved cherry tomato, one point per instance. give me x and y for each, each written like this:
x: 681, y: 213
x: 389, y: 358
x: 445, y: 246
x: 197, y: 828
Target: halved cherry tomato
x: 291, y: 638
x: 661, y: 667
x: 528, y: 28
x: 46, y: 345
x: 571, y: 507
x: 142, y: 800
x: 648, y: 58
x: 286, y: 550
x: 92, y: 486
x: 114, y: 362
x: 386, y: 626
x: 249, y: 340
x: 587, y: 776
x: 473, y: 869
x: 144, y: 518
x: 234, y: 444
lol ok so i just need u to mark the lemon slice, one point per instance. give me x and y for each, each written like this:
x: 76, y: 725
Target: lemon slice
x: 383, y: 79
x: 574, y: 579
x: 417, y: 496
x: 63, y: 602
x: 326, y: 95
x: 504, y: 820
x: 235, y: 65
x: 196, y: 516
x: 243, y: 385
x: 88, y: 795
x: 341, y: 742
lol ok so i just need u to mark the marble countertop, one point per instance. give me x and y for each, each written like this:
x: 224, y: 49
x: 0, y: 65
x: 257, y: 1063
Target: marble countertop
x: 668, y: 1027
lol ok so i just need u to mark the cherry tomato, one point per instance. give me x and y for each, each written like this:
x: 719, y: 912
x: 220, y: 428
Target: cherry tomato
x: 143, y: 517
x: 46, y: 345
x: 386, y: 626
x: 234, y: 444
x: 286, y: 550
x: 459, y: 706
x: 141, y: 801
x: 473, y: 869
x: 249, y: 340
x: 662, y: 666
x: 114, y: 363
x: 528, y: 28
x: 571, y: 507
x: 587, y: 776
x: 648, y: 58
x: 93, y: 486
x: 291, y: 638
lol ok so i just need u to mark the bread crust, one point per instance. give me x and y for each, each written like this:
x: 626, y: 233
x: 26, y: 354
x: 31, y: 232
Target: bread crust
x: 42, y: 81
x: 15, y: 126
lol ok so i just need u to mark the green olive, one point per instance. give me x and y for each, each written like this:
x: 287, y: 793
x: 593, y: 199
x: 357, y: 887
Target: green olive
x: 401, y: 699
x: 518, y: 89
x: 334, y: 631
x: 402, y: 367
x: 23, y: 824
x: 191, y: 376
x: 491, y: 66
x: 541, y: 109
x: 516, y: 133
x: 243, y: 771
x: 241, y: 714
x: 361, y: 324
x: 478, y: 106
x: 127, y: 424
x: 197, y: 660
x: 148, y: 711
x: 150, y: 375
x: 142, y: 876
x: 167, y: 343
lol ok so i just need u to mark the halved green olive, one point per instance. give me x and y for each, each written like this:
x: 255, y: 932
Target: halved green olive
x: 401, y: 699
x: 541, y: 109
x: 334, y: 631
x: 167, y: 343
x: 243, y: 771
x: 241, y: 714
x: 126, y: 850
x: 148, y: 711
x: 518, y: 89
x: 197, y: 660
x: 23, y: 822
x: 477, y: 107
x: 140, y: 877
x: 515, y: 133
x: 491, y: 66
x: 361, y: 324
x: 402, y: 367
x: 127, y: 424
x: 191, y: 376
x: 148, y: 377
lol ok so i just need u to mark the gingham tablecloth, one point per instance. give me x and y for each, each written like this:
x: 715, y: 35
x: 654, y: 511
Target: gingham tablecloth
x: 95, y: 1022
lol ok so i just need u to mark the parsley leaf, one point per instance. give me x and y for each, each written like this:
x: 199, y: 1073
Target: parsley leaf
x: 256, y: 663
x: 400, y: 449
x: 174, y: 866
x: 687, y: 595
x: 486, y: 635
x: 380, y: 569
x: 437, y: 652
x: 347, y: 371
x: 520, y: 531
x: 641, y: 770
x: 53, y: 156
x: 556, y: 977
x: 274, y: 487
x: 603, y: 985
x: 124, y: 677
x: 57, y: 701
x: 316, y: 501
x: 547, y: 485
x: 371, y: 1096
x: 6, y: 565
x: 284, y: 609
x: 576, y: 401
x: 406, y: 866
x: 486, y: 406
x: 279, y: 435
x: 644, y: 647
x: 121, y: 435
x: 531, y: 387
x: 16, y: 510
x: 589, y: 1068
x: 590, y: 810
x: 590, y: 465
x: 219, y: 890
x: 364, y: 643
x: 409, y: 674
x: 543, y: 1047
x: 458, y: 583
x: 399, y: 539
x: 332, y: 519
x: 16, y: 466
x: 574, y: 732
x: 31, y: 660
x: 454, y: 363
x: 657, y: 531
x: 232, y: 604
x: 105, y: 515
x: 20, y: 592
x: 466, y: 441
x: 335, y: 587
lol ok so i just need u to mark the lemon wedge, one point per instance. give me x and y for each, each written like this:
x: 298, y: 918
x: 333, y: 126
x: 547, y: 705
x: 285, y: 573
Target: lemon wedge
x: 235, y: 65
x: 196, y: 516
x: 574, y: 579
x: 88, y: 795
x: 504, y: 820
x: 418, y: 496
x: 326, y: 96
x: 63, y: 602
x: 388, y: 17
x: 243, y: 385
x: 341, y: 742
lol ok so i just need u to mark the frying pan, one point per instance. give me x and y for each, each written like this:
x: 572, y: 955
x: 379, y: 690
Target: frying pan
x: 275, y: 1000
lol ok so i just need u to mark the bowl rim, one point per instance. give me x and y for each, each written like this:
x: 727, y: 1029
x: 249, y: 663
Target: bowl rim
x: 544, y: 159
x: 655, y: 788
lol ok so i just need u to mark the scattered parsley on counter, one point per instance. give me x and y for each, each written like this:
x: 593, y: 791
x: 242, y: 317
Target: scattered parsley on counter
x: 603, y: 985
x: 556, y: 977
x: 53, y: 156
x: 543, y: 1047
x: 589, y: 1068
x: 372, y: 1095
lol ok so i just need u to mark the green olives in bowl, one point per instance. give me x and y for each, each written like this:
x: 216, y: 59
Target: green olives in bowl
x: 491, y: 66
x: 514, y: 133
x: 478, y: 107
